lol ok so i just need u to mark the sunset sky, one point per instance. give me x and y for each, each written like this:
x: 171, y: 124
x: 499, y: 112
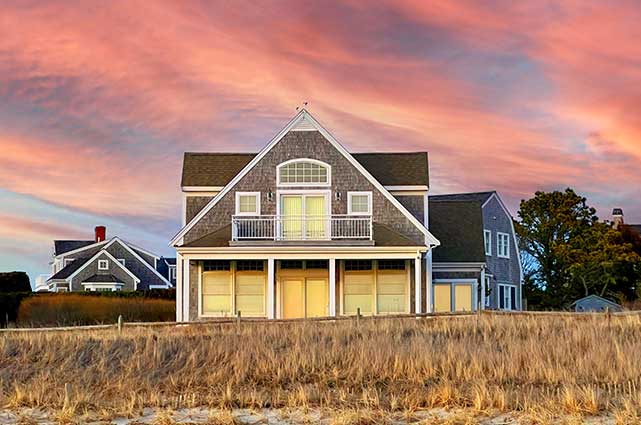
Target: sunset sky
x: 99, y: 100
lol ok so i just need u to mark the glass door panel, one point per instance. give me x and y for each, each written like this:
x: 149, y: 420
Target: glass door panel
x: 292, y: 217
x: 315, y: 217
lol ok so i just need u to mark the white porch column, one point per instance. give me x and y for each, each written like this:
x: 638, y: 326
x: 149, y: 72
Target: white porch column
x: 332, y: 287
x: 270, y: 288
x: 179, y: 288
x: 428, y: 282
x: 418, y: 281
x: 185, y: 291
x: 482, y: 288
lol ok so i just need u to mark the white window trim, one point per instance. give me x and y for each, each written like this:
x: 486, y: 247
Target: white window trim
x: 487, y: 241
x: 122, y: 261
x: 256, y: 195
x: 68, y: 261
x: 172, y: 272
x: 309, y: 184
x: 103, y: 267
x: 509, y: 297
x: 498, y: 245
x: 349, y: 203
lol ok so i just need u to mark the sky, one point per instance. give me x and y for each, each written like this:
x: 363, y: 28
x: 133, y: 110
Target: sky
x: 99, y: 100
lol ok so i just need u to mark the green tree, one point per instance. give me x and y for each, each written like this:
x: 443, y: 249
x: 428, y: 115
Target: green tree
x: 597, y: 260
x: 572, y: 254
x: 548, y: 221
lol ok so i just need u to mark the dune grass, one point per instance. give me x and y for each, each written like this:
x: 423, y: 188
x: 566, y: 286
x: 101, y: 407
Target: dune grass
x: 543, y: 366
x: 67, y: 309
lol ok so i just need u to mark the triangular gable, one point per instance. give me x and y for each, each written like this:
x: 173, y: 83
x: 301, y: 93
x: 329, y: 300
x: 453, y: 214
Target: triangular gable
x: 303, y: 121
x: 138, y: 257
x: 112, y: 258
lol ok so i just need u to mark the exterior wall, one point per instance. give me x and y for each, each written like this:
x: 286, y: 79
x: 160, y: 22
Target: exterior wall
x: 146, y: 276
x: 415, y: 204
x: 92, y: 269
x: 194, y: 268
x: 344, y: 178
x: 193, y: 205
x: 504, y: 270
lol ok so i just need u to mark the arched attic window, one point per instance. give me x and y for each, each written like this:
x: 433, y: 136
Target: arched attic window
x: 303, y: 172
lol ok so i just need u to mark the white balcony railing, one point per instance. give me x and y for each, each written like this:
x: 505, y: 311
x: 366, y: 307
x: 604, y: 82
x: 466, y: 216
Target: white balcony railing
x: 305, y: 228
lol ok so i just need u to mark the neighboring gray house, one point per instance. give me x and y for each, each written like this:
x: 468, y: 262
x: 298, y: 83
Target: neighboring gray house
x: 102, y: 265
x: 478, y: 241
x: 595, y: 303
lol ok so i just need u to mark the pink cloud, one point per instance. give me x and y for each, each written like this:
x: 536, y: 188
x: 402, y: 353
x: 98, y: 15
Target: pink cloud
x: 200, y: 76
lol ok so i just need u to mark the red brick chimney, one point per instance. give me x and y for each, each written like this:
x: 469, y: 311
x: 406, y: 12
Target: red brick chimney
x: 101, y: 233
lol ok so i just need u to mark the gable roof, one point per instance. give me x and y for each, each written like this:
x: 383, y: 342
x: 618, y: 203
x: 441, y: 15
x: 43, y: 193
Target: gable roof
x: 481, y: 197
x: 62, y: 246
x: 210, y: 169
x: 594, y: 297
x: 459, y: 225
x: 133, y: 252
x: 69, y: 269
x: 304, y: 117
x: 115, y: 262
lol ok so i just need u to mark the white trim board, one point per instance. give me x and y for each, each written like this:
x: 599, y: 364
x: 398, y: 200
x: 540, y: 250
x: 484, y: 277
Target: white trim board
x: 202, y: 188
x: 304, y: 115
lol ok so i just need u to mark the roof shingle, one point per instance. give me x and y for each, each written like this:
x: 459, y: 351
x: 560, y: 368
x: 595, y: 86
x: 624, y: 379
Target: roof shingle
x: 459, y: 227
x: 390, y: 169
x: 62, y: 246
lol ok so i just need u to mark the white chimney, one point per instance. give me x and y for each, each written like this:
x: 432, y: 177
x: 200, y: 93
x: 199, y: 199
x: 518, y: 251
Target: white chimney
x: 617, y: 217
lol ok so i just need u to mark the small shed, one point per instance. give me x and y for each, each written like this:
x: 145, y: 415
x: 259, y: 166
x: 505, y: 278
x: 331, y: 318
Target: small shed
x: 595, y: 303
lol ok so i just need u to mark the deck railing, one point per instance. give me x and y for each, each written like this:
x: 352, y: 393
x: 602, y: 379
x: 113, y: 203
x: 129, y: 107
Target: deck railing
x: 301, y: 228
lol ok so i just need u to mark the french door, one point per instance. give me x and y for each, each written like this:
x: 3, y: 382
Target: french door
x: 303, y: 217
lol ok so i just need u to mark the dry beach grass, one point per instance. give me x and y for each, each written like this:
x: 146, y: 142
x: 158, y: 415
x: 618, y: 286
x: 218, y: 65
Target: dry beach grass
x: 538, y: 366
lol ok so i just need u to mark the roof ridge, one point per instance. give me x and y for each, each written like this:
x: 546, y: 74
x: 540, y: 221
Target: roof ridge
x: 465, y: 193
x: 220, y: 153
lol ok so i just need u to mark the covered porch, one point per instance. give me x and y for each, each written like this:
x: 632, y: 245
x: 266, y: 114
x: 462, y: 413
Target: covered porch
x: 288, y: 284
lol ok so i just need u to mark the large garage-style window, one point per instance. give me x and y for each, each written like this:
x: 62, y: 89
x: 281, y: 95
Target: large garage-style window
x: 303, y: 172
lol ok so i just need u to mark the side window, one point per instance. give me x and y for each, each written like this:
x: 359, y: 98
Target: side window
x: 359, y: 203
x: 488, y: 242
x: 247, y: 203
x: 503, y: 245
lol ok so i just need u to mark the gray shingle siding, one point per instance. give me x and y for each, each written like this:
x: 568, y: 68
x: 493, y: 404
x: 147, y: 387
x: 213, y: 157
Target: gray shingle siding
x: 345, y: 177
x: 194, y: 204
x: 504, y: 270
x: 92, y: 269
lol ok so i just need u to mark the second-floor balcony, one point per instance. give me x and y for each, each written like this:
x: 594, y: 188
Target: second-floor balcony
x: 301, y: 228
